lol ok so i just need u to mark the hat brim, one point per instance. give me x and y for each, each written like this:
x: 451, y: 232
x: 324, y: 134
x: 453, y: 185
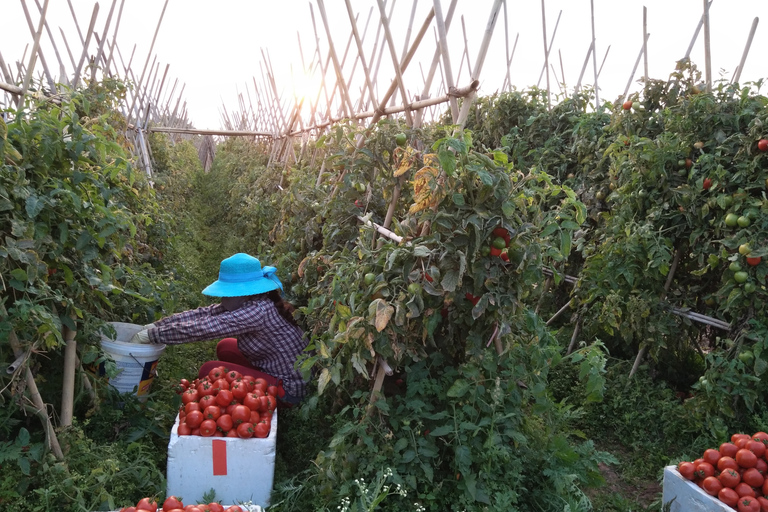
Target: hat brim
x: 225, y: 289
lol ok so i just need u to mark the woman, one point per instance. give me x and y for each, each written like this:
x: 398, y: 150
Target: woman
x: 268, y: 340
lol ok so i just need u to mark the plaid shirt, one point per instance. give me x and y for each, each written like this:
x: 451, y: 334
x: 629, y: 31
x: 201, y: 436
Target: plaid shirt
x: 263, y: 336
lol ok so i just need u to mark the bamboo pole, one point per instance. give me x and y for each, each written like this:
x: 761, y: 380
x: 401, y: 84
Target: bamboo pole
x: 574, y: 337
x: 443, y: 43
x: 507, y: 85
x: 645, y: 46
x: 35, y: 51
x: 69, y: 52
x: 546, y: 50
x: 381, y: 48
x: 737, y: 74
x: 84, y: 54
x: 149, y: 54
x: 114, y: 36
x: 395, y: 62
x: 37, y: 400
x: 559, y: 312
x: 62, y: 71
x: 410, y: 29
x: 605, y: 57
x: 435, y: 57
x: 68, y: 384
x: 360, y: 53
x: 594, y: 54
x: 466, y: 46
x: 707, y: 50
x: 346, y: 101
x: 549, y: 47
x: 100, y: 50
x: 637, y: 63
x: 695, y: 35
x: 4, y: 70
x: 77, y: 25
x: 562, y: 72
x: 480, y: 60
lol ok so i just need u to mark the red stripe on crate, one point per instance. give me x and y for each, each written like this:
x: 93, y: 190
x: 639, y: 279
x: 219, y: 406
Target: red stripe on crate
x: 219, y: 457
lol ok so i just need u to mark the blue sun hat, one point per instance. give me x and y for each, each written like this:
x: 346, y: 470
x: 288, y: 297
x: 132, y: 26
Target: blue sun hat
x: 241, y: 275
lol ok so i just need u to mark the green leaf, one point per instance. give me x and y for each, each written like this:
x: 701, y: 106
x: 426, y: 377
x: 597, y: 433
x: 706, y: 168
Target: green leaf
x: 458, y: 199
x: 458, y: 389
x: 450, y: 280
x: 441, y: 431
x: 323, y: 380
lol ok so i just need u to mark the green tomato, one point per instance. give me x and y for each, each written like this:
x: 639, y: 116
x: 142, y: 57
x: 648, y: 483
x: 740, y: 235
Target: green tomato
x: 734, y: 266
x: 743, y: 221
x: 744, y: 249
x: 731, y: 220
x: 369, y: 278
x: 750, y: 288
x: 485, y: 250
x: 499, y: 243
x: 414, y: 289
x: 747, y: 357
x: 740, y: 277
x: 401, y: 139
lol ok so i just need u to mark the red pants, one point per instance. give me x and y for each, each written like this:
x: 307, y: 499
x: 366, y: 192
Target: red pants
x: 231, y: 357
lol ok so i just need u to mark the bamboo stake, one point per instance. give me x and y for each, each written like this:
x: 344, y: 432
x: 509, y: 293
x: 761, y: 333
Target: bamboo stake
x: 645, y: 46
x: 100, y: 51
x: 466, y: 46
x: 68, y: 384
x: 346, y: 102
x: 69, y: 52
x: 381, y: 48
x: 605, y: 57
x: 149, y: 54
x: 435, y: 57
x: 480, y: 60
x: 114, y: 36
x: 84, y: 54
x: 360, y: 52
x: 737, y: 74
x: 695, y: 35
x: 37, y: 400
x: 4, y: 70
x: 637, y: 63
x: 446, y: 57
x: 549, y: 48
x: 594, y: 54
x: 62, y: 71
x: 395, y: 63
x: 408, y: 32
x: 562, y: 72
x: 35, y: 51
x: 546, y: 50
x: 559, y: 312
x: 707, y: 50
x: 507, y: 85
x: 573, y: 338
x: 77, y: 25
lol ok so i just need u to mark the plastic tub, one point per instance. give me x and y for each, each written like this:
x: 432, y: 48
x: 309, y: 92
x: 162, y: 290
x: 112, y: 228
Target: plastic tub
x: 136, y: 363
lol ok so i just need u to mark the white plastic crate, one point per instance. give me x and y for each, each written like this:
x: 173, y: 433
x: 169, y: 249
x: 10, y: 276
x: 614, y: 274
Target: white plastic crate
x: 687, y: 496
x: 238, y: 470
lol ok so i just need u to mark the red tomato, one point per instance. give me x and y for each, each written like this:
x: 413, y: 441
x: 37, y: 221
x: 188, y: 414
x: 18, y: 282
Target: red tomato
x: 232, y: 433
x: 222, y: 383
x: 762, y: 144
x: 234, y: 508
x: 761, y: 436
x: 263, y: 404
x: 147, y: 504
x: 206, y: 401
x: 190, y: 395
x: 271, y: 403
x: 225, y: 422
x: 272, y: 390
x: 241, y: 414
x: 727, y: 462
x: 192, y: 508
x: 251, y: 401
x: 730, y: 478
x: 207, y: 428
x: 735, y: 437
x: 225, y: 397
x: 191, y: 406
x: 711, y: 456
x: 184, y: 429
x: 233, y: 375
x: 707, y: 183
x: 627, y: 105
x: 763, y: 503
x: 704, y: 469
x: 746, y: 458
x: 172, y: 502
x: 259, y: 381
x: 743, y: 489
x: 728, y: 450
x: 215, y: 507
x: 195, y: 432
x: 748, y: 504
x: 205, y: 389
x: 228, y: 409
x: 756, y: 447
x: 261, y: 430
x: 752, y: 477
x: 194, y: 419
x: 128, y: 509
x: 218, y: 433
x: 216, y: 373
x: 762, y: 466
x: 245, y: 430
x: 765, y: 488
x: 212, y: 412
x: 753, y: 261
x: 711, y: 485
x: 728, y: 496
x: 239, y: 389
x: 255, y: 417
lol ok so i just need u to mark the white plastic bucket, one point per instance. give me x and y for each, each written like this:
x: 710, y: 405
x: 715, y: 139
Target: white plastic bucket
x: 136, y: 363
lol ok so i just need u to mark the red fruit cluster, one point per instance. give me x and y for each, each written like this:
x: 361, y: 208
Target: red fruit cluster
x: 226, y: 404
x: 497, y: 251
x: 735, y: 473
x: 174, y: 504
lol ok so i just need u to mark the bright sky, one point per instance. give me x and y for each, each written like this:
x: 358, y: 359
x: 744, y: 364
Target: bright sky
x: 215, y: 48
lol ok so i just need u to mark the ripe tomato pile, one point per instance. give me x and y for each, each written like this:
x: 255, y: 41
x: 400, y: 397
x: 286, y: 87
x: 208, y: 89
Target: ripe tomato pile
x: 174, y: 504
x: 226, y: 404
x: 735, y: 473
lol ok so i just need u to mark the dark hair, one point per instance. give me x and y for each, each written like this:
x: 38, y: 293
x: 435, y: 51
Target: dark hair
x: 284, y: 308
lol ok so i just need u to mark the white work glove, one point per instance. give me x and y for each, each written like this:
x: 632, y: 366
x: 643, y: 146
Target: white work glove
x: 149, y: 326
x: 141, y: 337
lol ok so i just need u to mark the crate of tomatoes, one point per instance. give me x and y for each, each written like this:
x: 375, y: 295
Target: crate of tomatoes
x: 732, y: 476
x: 226, y: 426
x: 174, y: 504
